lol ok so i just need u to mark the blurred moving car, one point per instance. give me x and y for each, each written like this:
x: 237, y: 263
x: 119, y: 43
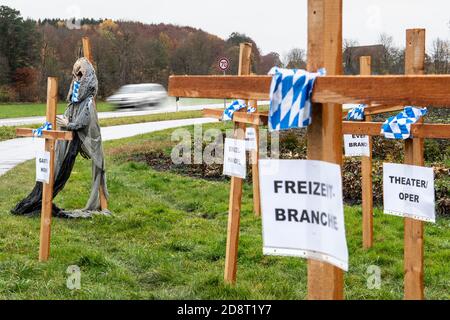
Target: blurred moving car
x: 138, y: 95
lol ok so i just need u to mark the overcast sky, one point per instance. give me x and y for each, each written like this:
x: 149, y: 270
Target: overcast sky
x: 276, y: 25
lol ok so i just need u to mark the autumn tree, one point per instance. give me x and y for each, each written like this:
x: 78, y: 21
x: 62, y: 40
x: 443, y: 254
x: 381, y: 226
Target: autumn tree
x: 234, y: 40
x: 268, y: 61
x: 197, y: 54
x: 19, y: 46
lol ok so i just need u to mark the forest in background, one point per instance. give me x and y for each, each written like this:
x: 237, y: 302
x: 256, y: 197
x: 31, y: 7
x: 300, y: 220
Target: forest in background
x: 132, y: 52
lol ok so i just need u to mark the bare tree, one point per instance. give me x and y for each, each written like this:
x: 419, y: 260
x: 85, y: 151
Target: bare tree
x: 349, y: 56
x: 392, y: 58
x: 440, y: 57
x: 295, y: 59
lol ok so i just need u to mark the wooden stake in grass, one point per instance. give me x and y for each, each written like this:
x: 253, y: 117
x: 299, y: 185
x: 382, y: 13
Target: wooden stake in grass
x: 50, y: 138
x: 366, y: 173
x: 325, y: 281
x: 254, y: 156
x: 234, y: 213
x: 414, y: 230
x: 87, y: 53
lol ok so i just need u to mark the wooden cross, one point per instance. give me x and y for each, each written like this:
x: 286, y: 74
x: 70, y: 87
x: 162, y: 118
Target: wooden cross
x: 414, y: 63
x: 50, y: 139
x: 325, y: 134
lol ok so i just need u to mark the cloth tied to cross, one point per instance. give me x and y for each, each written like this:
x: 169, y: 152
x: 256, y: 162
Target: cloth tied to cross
x: 76, y: 89
x: 399, y: 126
x: 236, y: 106
x: 46, y: 126
x: 357, y: 113
x: 290, y: 98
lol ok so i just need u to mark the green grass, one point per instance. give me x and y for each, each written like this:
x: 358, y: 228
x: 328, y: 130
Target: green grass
x: 167, y: 237
x: 151, y: 118
x: 19, y: 110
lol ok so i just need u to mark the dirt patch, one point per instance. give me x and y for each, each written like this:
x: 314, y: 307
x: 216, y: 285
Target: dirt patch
x: 156, y: 154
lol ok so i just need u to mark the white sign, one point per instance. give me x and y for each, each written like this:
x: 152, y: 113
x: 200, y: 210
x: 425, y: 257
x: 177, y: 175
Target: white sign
x: 303, y: 211
x: 250, y: 139
x: 356, y: 145
x: 224, y: 64
x: 43, y: 167
x: 409, y: 191
x: 234, y: 159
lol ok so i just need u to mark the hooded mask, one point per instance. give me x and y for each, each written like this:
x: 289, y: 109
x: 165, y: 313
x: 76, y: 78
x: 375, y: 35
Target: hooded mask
x: 84, y: 81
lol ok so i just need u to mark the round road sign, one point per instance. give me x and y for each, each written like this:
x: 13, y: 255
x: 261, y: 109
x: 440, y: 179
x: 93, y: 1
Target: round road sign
x: 224, y: 64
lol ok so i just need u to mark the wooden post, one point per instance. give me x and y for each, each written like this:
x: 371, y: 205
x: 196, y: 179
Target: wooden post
x: 87, y: 49
x: 87, y: 53
x: 366, y: 174
x: 414, y: 148
x: 234, y: 211
x: 325, y: 282
x: 254, y: 156
x: 47, y: 193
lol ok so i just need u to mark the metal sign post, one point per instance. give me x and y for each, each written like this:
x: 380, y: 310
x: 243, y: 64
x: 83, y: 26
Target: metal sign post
x: 224, y: 65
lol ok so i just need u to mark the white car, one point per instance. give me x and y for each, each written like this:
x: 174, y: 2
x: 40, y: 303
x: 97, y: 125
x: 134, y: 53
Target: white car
x: 138, y: 95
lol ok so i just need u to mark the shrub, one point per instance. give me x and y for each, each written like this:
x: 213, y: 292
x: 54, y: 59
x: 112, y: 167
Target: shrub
x: 7, y: 94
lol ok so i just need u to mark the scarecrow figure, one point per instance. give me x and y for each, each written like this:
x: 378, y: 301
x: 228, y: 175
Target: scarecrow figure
x: 81, y: 118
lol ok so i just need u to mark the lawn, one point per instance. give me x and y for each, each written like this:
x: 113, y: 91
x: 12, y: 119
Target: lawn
x: 167, y: 237
x: 7, y: 133
x: 19, y: 110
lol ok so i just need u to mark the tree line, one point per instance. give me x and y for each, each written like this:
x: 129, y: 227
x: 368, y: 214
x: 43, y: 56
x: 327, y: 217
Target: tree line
x: 124, y: 52
x: 132, y: 52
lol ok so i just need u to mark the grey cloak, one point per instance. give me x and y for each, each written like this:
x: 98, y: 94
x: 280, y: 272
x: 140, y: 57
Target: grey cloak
x: 83, y: 122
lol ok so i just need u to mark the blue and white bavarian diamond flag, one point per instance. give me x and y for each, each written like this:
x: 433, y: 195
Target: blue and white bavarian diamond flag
x: 76, y: 89
x: 236, y: 106
x: 357, y: 113
x: 399, y: 127
x: 290, y: 98
x: 39, y: 131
